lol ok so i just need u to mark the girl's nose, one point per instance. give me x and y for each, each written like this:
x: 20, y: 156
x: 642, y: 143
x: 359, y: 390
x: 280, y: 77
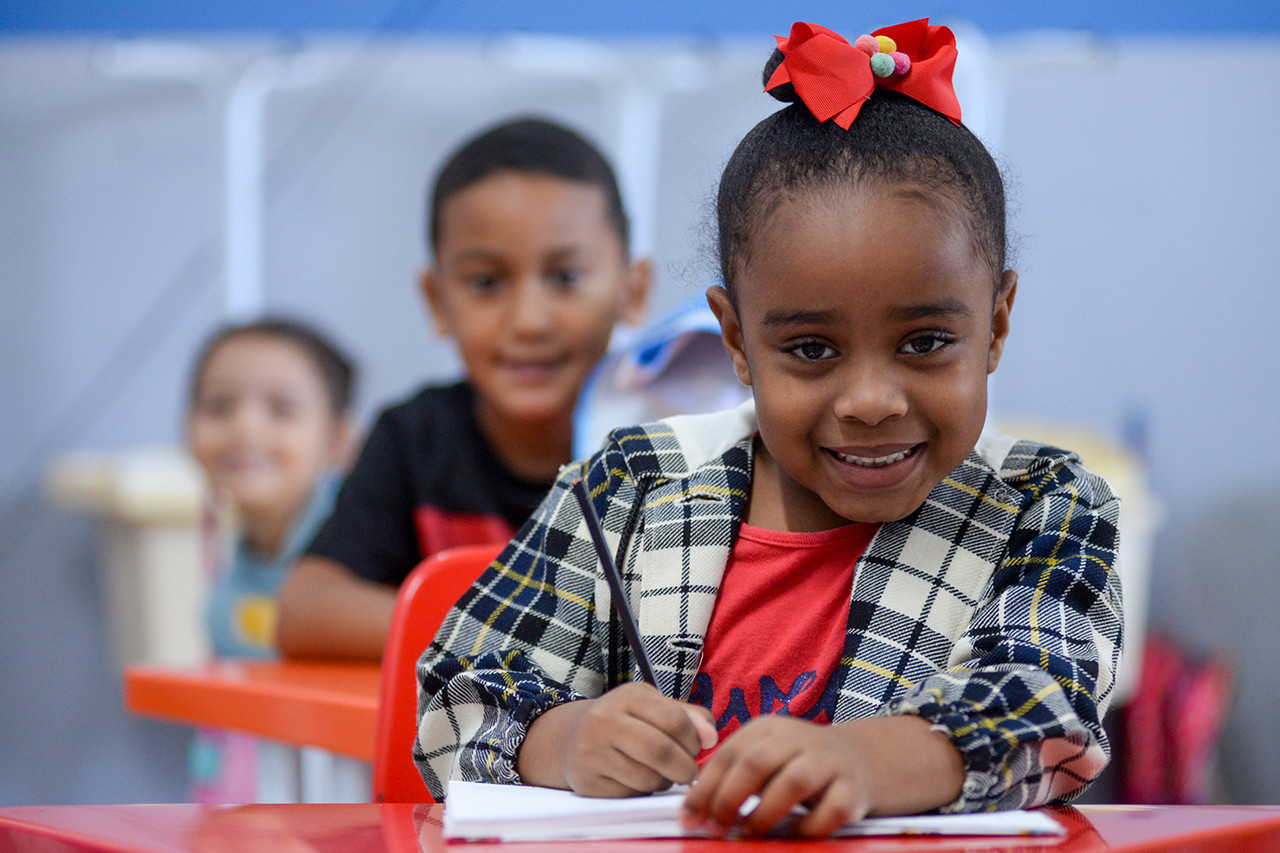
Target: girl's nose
x: 870, y: 395
x: 246, y: 420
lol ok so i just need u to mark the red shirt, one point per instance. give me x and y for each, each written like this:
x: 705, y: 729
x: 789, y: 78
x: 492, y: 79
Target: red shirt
x: 778, y: 627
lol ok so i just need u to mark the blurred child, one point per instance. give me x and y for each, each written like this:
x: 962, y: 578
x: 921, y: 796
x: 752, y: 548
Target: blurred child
x: 269, y: 424
x: 852, y: 598
x: 530, y: 274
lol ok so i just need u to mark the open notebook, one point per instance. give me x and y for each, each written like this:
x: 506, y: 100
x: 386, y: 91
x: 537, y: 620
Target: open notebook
x: 478, y: 811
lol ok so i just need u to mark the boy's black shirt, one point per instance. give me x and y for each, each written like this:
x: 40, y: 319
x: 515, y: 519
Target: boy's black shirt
x: 426, y: 480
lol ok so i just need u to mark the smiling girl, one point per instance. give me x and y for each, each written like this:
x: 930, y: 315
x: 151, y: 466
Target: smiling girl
x: 854, y: 600
x: 269, y: 424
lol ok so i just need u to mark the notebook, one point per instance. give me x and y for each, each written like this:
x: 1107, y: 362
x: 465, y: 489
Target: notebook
x: 476, y: 811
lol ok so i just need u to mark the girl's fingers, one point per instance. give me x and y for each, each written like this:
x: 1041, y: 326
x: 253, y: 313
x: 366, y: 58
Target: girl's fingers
x: 625, y: 777
x: 784, y: 765
x: 838, y: 805
x: 740, y: 769
x: 639, y: 740
x: 657, y: 751
x: 693, y: 814
x: 679, y: 721
x: 611, y: 763
x: 704, y: 726
x: 787, y: 788
x: 749, y: 775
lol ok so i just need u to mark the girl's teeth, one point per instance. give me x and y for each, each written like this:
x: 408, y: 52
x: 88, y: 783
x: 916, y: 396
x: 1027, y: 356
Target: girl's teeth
x: 877, y: 461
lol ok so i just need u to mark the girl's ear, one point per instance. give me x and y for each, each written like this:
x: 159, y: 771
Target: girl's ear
x: 730, y: 330
x: 1000, y: 319
x: 636, y: 299
x: 429, y: 283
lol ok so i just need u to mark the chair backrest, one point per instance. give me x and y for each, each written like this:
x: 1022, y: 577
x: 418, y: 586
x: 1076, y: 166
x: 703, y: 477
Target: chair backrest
x: 425, y: 597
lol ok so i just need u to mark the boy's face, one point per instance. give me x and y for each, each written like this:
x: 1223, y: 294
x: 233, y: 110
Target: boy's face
x: 530, y: 279
x: 866, y: 328
x: 262, y: 427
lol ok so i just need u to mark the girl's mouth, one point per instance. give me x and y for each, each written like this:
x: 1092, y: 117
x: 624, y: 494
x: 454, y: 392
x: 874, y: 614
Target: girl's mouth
x: 876, y: 461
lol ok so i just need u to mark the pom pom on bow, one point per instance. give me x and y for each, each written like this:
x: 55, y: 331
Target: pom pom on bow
x: 833, y: 78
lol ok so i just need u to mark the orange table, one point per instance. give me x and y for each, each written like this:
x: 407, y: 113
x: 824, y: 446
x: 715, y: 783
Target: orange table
x: 405, y: 828
x: 333, y: 706
x: 316, y: 720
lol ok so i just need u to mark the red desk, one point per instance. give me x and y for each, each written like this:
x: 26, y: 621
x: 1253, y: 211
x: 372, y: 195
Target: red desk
x: 333, y: 706
x: 409, y: 829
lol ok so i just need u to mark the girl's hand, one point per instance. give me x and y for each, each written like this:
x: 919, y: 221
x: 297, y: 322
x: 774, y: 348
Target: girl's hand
x: 842, y: 773
x: 632, y: 740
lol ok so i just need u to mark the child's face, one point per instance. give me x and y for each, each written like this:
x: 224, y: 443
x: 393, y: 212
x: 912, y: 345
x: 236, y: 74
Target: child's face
x: 530, y: 280
x: 866, y: 328
x: 262, y: 427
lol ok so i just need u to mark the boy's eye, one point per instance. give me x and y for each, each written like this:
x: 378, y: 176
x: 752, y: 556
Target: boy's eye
x: 925, y: 344
x: 812, y: 351
x: 565, y: 278
x: 482, y: 282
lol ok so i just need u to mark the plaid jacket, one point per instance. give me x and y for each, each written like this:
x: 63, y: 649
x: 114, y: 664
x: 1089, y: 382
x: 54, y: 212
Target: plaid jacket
x: 993, y: 610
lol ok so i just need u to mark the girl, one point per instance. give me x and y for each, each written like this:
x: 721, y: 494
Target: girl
x: 853, y: 599
x: 269, y: 425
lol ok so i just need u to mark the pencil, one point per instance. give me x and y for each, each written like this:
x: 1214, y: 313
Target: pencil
x: 619, y: 596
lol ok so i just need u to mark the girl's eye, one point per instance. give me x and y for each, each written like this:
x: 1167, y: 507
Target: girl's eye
x: 812, y: 351
x: 215, y: 407
x: 925, y: 344
x: 282, y: 408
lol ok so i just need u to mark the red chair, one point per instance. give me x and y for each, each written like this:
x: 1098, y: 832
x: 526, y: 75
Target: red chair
x: 424, y: 598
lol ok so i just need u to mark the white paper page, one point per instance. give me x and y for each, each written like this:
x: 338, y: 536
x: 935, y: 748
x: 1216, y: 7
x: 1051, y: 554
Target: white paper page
x: 525, y: 813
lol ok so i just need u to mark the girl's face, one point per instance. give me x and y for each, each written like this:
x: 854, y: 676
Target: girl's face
x: 530, y: 279
x: 866, y: 328
x: 262, y: 426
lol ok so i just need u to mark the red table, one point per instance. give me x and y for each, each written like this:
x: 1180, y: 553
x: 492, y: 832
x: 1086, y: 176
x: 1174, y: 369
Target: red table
x: 409, y: 828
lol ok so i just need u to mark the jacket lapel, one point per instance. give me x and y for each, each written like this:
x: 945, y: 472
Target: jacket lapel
x: 919, y: 582
x: 689, y: 525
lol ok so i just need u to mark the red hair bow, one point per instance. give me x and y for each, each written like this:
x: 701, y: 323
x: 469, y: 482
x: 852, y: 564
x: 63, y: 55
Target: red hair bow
x: 834, y: 77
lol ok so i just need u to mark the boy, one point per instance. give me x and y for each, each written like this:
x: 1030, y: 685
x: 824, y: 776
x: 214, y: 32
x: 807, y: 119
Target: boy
x: 531, y: 274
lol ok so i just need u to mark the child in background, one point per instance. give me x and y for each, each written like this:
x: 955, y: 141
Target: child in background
x: 853, y: 599
x: 531, y: 273
x: 269, y: 423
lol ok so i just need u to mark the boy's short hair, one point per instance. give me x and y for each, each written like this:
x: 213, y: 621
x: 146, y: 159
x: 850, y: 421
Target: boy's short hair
x: 531, y: 146
x: 335, y: 368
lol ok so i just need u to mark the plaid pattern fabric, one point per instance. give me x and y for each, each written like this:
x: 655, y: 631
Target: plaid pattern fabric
x: 993, y: 610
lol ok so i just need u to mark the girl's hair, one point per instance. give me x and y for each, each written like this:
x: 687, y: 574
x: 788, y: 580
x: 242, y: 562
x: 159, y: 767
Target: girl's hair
x: 335, y: 368
x: 894, y: 139
x: 531, y: 146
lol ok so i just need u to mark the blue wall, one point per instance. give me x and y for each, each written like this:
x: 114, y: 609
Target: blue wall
x: 584, y: 17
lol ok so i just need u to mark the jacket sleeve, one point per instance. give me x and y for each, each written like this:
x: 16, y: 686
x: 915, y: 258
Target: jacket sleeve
x: 522, y: 640
x: 1024, y: 696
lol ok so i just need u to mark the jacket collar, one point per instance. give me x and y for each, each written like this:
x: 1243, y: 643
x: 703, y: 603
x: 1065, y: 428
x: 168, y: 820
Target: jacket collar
x: 698, y: 498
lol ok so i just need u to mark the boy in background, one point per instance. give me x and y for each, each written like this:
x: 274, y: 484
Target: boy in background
x: 531, y: 273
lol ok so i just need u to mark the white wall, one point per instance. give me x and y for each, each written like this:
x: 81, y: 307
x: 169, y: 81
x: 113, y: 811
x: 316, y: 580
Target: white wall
x: 1146, y: 196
